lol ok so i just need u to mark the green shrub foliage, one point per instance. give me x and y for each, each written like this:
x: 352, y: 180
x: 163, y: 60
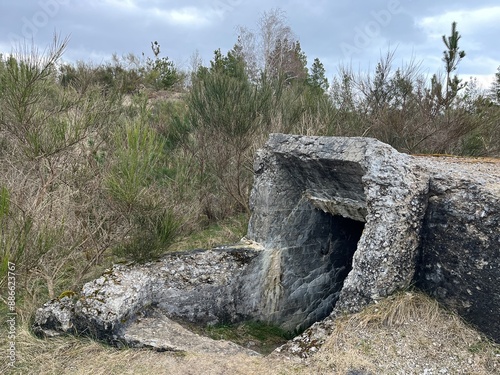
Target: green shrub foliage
x: 120, y: 160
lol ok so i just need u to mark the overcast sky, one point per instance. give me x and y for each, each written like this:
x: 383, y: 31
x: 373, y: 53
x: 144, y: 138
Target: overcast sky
x: 354, y: 32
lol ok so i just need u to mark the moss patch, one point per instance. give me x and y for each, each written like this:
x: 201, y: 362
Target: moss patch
x: 258, y: 336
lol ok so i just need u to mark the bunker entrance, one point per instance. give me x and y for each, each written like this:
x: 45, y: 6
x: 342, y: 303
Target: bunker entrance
x: 326, y: 267
x: 311, y: 231
x: 344, y: 240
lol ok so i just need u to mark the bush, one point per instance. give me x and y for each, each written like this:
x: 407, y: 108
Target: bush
x: 398, y: 107
x: 162, y: 74
x: 226, y: 113
x: 136, y: 154
x: 137, y: 195
x: 53, y: 224
x: 151, y: 236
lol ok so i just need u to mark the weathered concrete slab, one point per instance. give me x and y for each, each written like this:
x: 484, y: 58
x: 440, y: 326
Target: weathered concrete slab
x: 195, y: 286
x: 337, y: 223
x: 340, y: 219
x: 153, y: 329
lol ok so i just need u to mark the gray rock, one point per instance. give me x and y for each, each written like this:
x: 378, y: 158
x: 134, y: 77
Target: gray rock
x: 55, y: 318
x: 337, y: 223
x: 153, y: 329
x: 358, y: 372
x: 194, y: 286
x: 339, y: 220
x: 460, y: 252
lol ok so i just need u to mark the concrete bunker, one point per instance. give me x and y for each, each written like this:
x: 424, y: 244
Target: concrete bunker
x: 338, y: 222
x: 334, y: 193
x: 335, y: 225
x: 308, y: 250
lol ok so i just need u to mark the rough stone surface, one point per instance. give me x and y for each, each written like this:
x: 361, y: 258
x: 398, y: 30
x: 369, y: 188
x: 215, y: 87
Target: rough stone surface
x: 55, y: 317
x: 153, y: 329
x: 313, y: 199
x: 337, y: 223
x: 460, y: 250
x: 196, y: 286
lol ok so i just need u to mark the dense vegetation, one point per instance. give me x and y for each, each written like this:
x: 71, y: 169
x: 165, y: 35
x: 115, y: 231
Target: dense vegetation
x: 120, y: 161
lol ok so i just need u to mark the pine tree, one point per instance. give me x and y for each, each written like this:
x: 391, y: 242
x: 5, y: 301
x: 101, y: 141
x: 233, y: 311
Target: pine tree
x: 300, y: 61
x: 495, y: 88
x: 317, y: 77
x: 452, y: 85
x: 452, y: 56
x: 287, y: 61
x: 231, y: 65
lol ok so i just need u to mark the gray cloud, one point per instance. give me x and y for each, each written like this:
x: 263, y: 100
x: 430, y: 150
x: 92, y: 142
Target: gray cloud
x: 335, y: 31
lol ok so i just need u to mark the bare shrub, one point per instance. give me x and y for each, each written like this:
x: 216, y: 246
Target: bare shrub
x: 402, y: 108
x: 57, y: 225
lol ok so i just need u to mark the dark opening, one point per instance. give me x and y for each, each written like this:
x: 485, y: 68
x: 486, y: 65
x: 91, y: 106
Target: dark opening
x: 345, y: 236
x: 339, y: 237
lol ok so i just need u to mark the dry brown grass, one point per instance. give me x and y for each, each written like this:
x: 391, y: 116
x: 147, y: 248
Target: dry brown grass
x: 70, y: 355
x: 407, y: 334
x: 404, y: 334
